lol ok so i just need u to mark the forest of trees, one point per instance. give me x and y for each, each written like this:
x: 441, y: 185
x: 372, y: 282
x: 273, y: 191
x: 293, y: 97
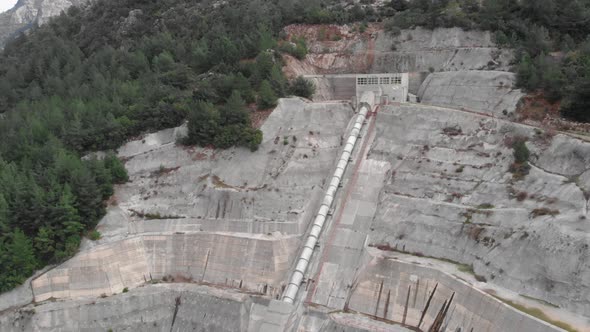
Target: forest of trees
x: 551, y: 39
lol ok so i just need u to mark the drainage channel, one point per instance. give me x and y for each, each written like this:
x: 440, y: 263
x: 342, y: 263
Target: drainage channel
x: 308, y: 249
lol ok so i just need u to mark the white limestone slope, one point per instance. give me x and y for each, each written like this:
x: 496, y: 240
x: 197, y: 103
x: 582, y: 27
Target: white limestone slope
x: 29, y: 13
x: 490, y: 92
x: 450, y: 195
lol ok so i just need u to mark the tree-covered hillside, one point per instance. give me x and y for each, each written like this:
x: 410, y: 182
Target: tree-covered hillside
x: 551, y: 37
x: 97, y: 76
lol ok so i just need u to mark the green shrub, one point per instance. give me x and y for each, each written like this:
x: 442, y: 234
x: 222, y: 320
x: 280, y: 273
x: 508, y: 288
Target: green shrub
x: 94, y: 235
x: 302, y: 87
x: 485, y: 206
x: 391, y: 28
x: 253, y: 138
x: 520, y: 168
x: 117, y: 169
x: 363, y: 27
x: 543, y: 212
x: 538, y: 313
x: 520, y: 151
x: 298, y: 48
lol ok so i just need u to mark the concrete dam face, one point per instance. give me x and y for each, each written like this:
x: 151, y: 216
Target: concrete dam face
x: 332, y: 225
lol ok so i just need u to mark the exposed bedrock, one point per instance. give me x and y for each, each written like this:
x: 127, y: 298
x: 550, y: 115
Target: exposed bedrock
x: 450, y: 195
x: 417, y: 50
x: 237, y: 190
x: 446, y: 49
x: 490, y: 92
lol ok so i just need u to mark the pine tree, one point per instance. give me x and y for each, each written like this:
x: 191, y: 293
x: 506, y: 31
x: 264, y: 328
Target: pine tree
x: 74, y: 134
x: 526, y: 75
x: 265, y: 39
x: 22, y: 257
x: 102, y: 176
x: 199, y: 57
x: 278, y: 81
x: 88, y: 197
x: 28, y: 207
x: 116, y: 167
x: 4, y: 229
x: 266, y: 96
x: 203, y: 124
x: 69, y: 218
x: 234, y: 111
x: 45, y: 242
x: 263, y: 68
x: 242, y: 84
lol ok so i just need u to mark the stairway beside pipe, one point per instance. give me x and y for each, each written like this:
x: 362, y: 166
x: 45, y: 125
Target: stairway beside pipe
x: 367, y: 99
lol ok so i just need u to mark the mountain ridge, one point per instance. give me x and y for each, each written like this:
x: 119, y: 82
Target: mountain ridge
x: 29, y: 13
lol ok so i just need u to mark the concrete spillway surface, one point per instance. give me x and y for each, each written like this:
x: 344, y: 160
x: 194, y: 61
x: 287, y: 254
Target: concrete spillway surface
x: 396, y: 193
x: 217, y: 229
x: 290, y: 294
x: 161, y: 307
x: 414, y: 295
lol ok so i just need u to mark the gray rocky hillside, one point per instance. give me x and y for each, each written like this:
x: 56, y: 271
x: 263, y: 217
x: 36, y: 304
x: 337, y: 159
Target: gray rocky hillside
x: 29, y: 13
x: 447, y: 199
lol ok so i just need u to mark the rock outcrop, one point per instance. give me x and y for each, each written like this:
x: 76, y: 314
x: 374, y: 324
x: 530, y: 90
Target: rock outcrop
x: 338, y: 50
x: 29, y: 13
x: 490, y: 92
x: 450, y: 195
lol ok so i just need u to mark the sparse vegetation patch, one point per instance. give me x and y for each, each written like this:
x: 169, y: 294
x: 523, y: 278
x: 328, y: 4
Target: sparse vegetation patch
x: 452, y: 130
x: 154, y: 215
x: 538, y: 313
x: 520, y: 167
x: 485, y: 206
x: 521, y: 196
x: 543, y: 212
x: 297, y: 47
x: 94, y: 235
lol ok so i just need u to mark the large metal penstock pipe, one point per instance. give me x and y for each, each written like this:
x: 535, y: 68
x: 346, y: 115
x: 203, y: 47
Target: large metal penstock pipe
x: 314, y: 234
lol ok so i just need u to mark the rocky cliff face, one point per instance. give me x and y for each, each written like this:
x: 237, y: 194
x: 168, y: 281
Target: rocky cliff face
x: 29, y: 13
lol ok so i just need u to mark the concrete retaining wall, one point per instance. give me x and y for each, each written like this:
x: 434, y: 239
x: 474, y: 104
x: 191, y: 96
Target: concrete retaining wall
x: 253, y: 263
x: 389, y: 279
x: 151, y: 308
